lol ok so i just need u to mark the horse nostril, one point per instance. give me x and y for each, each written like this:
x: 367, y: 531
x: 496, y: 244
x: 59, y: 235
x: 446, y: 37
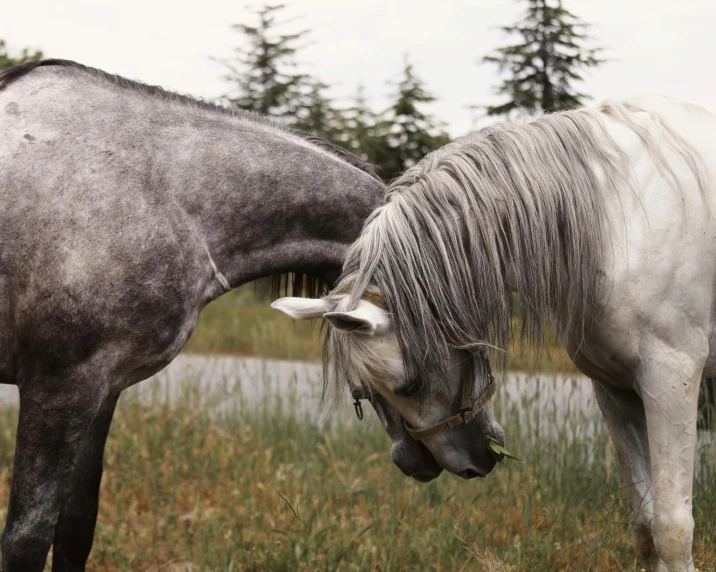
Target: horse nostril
x: 470, y: 474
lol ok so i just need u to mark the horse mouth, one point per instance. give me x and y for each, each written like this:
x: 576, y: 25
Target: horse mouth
x: 424, y: 471
x: 427, y: 475
x: 471, y: 474
x: 415, y: 461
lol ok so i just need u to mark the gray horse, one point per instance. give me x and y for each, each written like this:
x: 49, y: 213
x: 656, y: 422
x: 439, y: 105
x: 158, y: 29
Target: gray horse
x: 124, y: 210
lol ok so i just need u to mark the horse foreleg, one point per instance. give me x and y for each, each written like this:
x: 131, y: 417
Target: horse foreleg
x: 623, y: 412
x: 55, y: 414
x: 669, y: 383
x: 74, y: 532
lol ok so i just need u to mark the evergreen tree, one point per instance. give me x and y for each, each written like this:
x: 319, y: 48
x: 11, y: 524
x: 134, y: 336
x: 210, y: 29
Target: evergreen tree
x: 545, y: 61
x: 7, y: 61
x: 315, y: 113
x: 263, y: 72
x: 410, y: 133
x: 360, y: 126
x: 265, y: 77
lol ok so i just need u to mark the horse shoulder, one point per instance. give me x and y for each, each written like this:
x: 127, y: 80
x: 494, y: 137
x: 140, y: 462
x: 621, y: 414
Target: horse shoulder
x: 660, y: 258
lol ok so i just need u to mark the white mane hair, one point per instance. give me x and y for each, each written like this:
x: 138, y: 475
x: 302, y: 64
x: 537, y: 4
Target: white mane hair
x: 525, y: 198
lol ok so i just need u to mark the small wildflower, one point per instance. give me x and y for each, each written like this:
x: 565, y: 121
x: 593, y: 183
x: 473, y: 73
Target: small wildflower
x: 557, y: 546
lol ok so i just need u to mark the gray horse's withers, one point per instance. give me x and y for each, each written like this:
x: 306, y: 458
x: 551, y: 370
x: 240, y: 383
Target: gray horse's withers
x: 123, y: 211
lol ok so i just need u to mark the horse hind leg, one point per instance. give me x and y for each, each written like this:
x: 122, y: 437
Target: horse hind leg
x: 55, y: 414
x: 75, y: 527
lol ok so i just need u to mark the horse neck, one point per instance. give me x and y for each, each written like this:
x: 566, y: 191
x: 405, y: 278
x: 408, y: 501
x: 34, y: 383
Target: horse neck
x: 266, y: 203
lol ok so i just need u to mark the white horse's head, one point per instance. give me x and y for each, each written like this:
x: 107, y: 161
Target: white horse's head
x: 438, y: 428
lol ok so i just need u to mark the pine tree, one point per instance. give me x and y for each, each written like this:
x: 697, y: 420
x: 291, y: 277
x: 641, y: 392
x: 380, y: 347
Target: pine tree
x: 315, y: 113
x: 360, y: 124
x: 263, y: 73
x: 6, y: 61
x: 545, y: 62
x: 410, y: 133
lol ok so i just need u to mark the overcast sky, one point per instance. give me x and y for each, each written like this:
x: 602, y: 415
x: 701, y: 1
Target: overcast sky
x: 658, y: 46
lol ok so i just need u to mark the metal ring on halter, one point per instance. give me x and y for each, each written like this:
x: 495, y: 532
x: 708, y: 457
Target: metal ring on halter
x: 358, y: 393
x: 359, y: 409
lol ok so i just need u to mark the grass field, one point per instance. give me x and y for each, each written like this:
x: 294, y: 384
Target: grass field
x: 191, y: 486
x: 238, y: 324
x: 260, y: 487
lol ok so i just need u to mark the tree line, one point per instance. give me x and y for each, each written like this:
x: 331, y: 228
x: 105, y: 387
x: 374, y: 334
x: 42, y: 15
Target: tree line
x: 545, y: 59
x: 539, y: 69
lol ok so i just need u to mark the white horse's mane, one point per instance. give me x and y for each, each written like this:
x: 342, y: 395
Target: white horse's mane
x: 530, y: 194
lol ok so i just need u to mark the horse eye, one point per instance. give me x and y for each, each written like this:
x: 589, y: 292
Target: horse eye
x: 407, y: 389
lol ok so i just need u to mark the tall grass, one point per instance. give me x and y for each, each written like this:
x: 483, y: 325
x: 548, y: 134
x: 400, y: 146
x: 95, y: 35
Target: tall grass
x: 239, y: 323
x: 215, y: 481
x: 204, y: 480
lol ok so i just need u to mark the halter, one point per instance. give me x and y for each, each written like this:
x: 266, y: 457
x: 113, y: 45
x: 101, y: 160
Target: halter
x: 470, y: 405
x: 469, y: 408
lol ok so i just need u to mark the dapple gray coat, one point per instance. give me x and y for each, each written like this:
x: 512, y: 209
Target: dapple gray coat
x: 124, y: 210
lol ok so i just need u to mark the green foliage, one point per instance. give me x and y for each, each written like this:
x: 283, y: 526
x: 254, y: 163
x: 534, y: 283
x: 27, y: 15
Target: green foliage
x: 545, y: 61
x: 401, y: 135
x: 263, y: 71
x: 239, y: 323
x: 408, y: 131
x: 265, y: 79
x: 498, y: 450
x: 242, y: 323
x: 27, y: 55
x: 361, y: 129
x: 199, y: 480
x: 316, y: 113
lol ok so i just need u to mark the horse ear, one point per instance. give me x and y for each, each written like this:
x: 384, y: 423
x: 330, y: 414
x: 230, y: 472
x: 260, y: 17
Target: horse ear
x: 348, y: 322
x: 302, y: 308
x: 364, y: 320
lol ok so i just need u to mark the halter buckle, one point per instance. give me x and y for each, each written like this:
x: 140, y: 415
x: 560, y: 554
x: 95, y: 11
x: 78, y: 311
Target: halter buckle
x: 467, y: 415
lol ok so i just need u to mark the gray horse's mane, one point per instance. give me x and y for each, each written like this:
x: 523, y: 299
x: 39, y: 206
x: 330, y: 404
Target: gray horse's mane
x: 530, y: 194
x: 9, y: 75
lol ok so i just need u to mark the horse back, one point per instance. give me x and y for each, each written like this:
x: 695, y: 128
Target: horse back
x: 91, y: 252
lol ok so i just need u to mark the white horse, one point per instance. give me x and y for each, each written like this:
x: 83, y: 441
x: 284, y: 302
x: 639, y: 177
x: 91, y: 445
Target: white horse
x: 602, y: 220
